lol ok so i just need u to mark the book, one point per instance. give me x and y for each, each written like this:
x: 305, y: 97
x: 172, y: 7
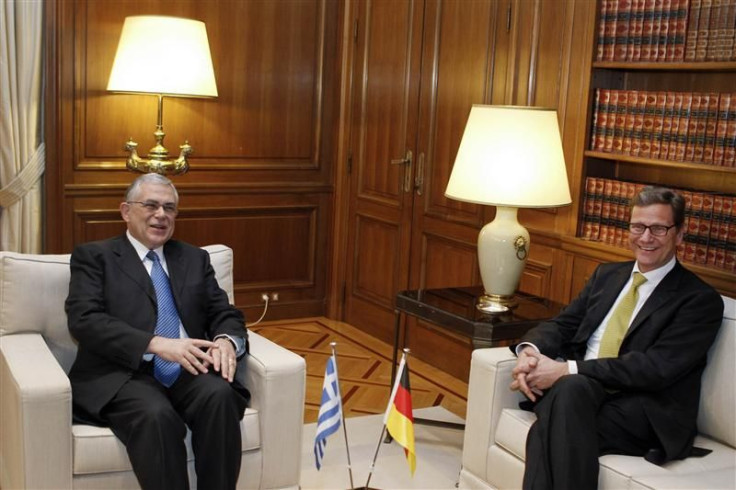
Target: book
x: 635, y: 30
x: 714, y: 27
x: 620, y: 120
x: 597, y: 207
x: 711, y: 123
x: 611, y: 120
x: 662, y: 17
x: 632, y: 97
x: 610, y: 29
x: 618, y: 212
x: 636, y: 135
x: 680, y: 31
x: 730, y: 255
x: 729, y: 203
x: 647, y: 34
x: 586, y: 225
x: 675, y: 127
x: 724, y: 106
x: 716, y: 222
x: 683, y: 129
x: 594, y: 130
x: 729, y: 33
x: 601, y: 37
x: 606, y: 233
x: 705, y: 215
x: 686, y: 248
x: 701, y: 46
x: 629, y: 192
x: 658, y: 125
x: 693, y: 127
x: 623, y: 16
x: 645, y: 150
x: 729, y: 149
x: 691, y: 36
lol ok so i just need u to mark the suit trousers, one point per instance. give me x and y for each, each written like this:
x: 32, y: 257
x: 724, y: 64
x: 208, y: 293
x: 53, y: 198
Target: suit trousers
x: 151, y: 420
x: 577, y: 421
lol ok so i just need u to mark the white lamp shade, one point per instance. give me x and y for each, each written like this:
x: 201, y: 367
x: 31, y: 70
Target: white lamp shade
x: 510, y: 156
x: 163, y: 55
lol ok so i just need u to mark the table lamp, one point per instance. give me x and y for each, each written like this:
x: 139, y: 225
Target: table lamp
x: 509, y: 157
x: 165, y: 56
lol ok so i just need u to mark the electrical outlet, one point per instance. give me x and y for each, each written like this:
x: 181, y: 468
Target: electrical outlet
x: 274, y: 296
x: 264, y: 296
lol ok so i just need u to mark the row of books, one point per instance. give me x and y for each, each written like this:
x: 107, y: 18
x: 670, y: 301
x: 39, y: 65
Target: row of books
x: 677, y: 126
x: 710, y: 221
x: 666, y: 30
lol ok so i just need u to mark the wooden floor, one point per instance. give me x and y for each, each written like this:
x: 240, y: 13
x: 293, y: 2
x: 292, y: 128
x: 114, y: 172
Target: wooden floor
x: 364, y: 368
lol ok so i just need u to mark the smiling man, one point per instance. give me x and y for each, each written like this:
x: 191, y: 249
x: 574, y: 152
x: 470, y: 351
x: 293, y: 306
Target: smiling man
x: 618, y: 370
x: 158, y: 343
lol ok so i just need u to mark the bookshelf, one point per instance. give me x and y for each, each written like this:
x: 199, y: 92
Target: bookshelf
x: 663, y: 114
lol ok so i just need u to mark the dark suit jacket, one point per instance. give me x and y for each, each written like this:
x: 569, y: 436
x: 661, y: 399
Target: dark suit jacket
x: 663, y: 354
x: 111, y: 309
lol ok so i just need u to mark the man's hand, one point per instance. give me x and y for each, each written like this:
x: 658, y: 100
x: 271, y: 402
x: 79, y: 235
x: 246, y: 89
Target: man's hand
x: 223, y: 356
x: 526, y: 363
x: 187, y: 352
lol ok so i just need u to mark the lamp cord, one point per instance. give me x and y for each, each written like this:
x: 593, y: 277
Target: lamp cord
x: 265, y: 309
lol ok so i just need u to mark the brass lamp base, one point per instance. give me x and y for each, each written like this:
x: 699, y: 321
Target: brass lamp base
x: 158, y: 161
x: 496, y: 303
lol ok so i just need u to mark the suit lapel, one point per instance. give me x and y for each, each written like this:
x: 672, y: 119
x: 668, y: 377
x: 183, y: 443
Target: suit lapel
x: 661, y: 295
x: 610, y: 291
x: 130, y: 264
x: 177, y: 269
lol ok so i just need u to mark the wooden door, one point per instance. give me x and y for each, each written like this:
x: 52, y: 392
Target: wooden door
x: 382, y: 144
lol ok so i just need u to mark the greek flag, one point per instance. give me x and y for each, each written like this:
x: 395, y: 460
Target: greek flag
x: 330, y: 411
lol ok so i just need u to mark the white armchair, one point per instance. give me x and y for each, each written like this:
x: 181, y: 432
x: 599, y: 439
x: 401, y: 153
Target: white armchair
x: 39, y: 445
x: 494, y: 449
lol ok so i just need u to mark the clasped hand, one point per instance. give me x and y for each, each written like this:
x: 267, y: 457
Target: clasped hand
x: 189, y: 353
x: 535, y: 372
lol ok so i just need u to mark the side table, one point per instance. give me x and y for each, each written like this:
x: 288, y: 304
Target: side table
x: 453, y: 310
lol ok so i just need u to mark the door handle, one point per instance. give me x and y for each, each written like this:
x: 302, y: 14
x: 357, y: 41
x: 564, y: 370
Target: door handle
x: 419, y: 177
x: 407, y: 170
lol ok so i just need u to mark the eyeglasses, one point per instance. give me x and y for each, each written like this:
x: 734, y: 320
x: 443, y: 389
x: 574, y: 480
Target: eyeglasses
x: 656, y: 230
x: 152, y: 206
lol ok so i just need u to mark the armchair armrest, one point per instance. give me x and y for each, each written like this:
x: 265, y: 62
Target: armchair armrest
x: 35, y: 415
x: 276, y: 378
x: 488, y: 395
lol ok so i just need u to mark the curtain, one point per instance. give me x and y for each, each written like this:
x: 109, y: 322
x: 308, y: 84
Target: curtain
x: 22, y: 152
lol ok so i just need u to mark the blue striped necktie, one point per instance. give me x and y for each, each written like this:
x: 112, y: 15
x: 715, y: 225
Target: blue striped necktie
x: 167, y: 321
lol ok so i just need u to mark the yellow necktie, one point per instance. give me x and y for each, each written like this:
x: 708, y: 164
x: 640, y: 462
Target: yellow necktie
x: 619, y: 322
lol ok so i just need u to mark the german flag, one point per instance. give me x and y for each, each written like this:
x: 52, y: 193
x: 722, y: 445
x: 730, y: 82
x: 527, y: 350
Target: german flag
x: 399, y: 418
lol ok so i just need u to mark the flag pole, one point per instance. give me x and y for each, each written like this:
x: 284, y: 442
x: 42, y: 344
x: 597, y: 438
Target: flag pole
x: 390, y: 401
x: 342, y: 414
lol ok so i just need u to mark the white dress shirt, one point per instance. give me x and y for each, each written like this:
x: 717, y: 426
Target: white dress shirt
x: 142, y: 251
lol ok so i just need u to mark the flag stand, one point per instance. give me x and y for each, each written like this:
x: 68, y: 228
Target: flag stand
x: 342, y: 414
x: 384, y: 431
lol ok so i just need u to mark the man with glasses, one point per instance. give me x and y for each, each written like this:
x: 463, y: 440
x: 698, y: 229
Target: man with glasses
x: 618, y: 370
x: 158, y: 344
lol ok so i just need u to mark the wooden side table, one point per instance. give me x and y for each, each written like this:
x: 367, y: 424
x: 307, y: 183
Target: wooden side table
x: 453, y: 309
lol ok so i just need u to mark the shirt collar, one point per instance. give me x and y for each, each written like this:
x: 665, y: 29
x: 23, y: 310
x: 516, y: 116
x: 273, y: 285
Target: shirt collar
x: 141, y: 249
x: 656, y: 275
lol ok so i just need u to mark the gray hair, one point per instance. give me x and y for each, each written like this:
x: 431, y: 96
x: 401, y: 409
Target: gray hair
x: 661, y: 195
x: 151, y: 178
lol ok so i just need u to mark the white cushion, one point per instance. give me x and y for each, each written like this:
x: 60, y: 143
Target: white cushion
x: 512, y: 429
x: 33, y: 289
x: 717, y: 413
x: 97, y: 450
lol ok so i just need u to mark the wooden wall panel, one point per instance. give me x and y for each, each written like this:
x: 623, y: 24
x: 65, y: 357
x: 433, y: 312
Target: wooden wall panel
x: 261, y: 176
